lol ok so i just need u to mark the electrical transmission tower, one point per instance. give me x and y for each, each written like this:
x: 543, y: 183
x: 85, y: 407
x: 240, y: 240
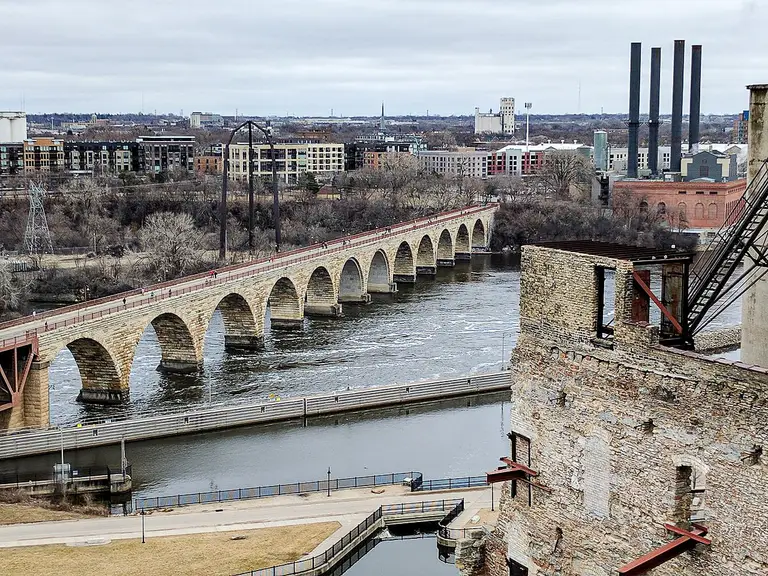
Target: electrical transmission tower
x: 37, y: 237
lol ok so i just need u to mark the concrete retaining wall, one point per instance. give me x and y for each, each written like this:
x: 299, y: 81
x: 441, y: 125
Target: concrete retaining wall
x: 27, y: 443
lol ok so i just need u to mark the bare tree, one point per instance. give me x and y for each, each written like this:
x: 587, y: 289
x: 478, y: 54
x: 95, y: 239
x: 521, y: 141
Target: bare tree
x: 11, y: 290
x: 173, y: 244
x: 563, y: 169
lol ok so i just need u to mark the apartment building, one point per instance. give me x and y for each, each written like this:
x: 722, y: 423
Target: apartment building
x: 11, y: 159
x: 43, y: 155
x: 519, y: 160
x: 462, y: 162
x: 209, y: 160
x: 292, y: 159
x: 164, y: 153
x: 101, y: 157
x: 363, y: 153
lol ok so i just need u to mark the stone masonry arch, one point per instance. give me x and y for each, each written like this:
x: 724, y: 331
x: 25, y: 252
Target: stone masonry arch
x: 103, y: 382
x: 285, y: 305
x: 405, y: 264
x: 352, y: 283
x: 321, y: 295
x: 179, y: 352
x: 426, y: 263
x: 241, y: 331
x: 445, y: 249
x: 379, y: 274
x: 463, y: 248
x: 479, y: 239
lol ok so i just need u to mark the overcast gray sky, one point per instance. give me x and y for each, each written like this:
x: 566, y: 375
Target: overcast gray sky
x: 305, y: 57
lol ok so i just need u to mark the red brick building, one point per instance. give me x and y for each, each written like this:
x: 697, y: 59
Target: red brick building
x: 208, y: 165
x: 704, y: 204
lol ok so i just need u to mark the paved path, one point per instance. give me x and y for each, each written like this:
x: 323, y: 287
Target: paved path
x: 349, y: 507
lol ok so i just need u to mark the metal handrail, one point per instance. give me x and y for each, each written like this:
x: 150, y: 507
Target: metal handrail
x: 300, y: 566
x: 281, y: 260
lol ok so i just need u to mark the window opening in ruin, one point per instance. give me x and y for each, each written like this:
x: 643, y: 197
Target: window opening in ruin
x: 605, y: 279
x: 690, y: 487
x: 516, y: 569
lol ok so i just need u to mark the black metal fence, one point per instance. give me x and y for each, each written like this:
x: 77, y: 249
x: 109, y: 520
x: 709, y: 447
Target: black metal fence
x: 453, y: 483
x: 406, y: 478
x: 300, y: 566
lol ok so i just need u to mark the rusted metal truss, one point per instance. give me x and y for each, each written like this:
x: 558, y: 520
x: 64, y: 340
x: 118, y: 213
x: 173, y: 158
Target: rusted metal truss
x: 15, y: 364
x: 687, y: 540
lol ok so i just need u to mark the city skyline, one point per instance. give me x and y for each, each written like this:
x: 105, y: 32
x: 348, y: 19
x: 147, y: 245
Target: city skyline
x: 417, y: 55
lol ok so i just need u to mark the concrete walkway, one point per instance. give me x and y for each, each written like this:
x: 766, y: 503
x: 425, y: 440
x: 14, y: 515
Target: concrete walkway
x: 349, y: 507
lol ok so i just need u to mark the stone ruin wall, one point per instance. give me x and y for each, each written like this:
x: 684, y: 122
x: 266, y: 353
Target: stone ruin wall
x: 610, y: 431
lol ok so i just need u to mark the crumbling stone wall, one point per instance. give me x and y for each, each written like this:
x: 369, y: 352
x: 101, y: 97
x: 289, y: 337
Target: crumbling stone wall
x: 612, y: 432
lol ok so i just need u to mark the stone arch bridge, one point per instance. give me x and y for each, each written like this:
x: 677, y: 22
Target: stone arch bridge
x: 102, y: 334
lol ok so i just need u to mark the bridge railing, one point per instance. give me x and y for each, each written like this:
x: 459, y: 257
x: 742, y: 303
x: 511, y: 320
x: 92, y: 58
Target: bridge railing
x: 158, y: 292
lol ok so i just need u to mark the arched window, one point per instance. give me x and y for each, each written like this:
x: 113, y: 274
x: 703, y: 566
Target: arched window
x: 681, y: 208
x: 661, y: 208
x: 643, y: 206
x: 699, y: 211
x: 712, y: 212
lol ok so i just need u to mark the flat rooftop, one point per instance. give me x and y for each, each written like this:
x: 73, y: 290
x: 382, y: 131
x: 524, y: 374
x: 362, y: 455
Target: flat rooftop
x: 636, y: 254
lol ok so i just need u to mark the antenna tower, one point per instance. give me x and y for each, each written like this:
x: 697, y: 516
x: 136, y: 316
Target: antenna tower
x: 37, y: 237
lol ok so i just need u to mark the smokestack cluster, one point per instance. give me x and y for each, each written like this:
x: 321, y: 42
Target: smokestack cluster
x: 653, y: 116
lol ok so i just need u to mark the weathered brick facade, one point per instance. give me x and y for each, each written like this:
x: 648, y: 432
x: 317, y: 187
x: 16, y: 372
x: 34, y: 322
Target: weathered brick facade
x: 627, y: 435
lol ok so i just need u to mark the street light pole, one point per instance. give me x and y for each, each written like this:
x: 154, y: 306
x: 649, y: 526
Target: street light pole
x: 528, y: 106
x: 250, y: 187
x: 329, y: 482
x: 275, y: 198
x: 142, y: 526
x: 61, y: 437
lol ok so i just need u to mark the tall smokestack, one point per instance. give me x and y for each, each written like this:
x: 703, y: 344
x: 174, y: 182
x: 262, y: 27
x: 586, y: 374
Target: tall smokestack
x: 677, y: 106
x: 653, y: 115
x: 634, y: 108
x: 693, y: 130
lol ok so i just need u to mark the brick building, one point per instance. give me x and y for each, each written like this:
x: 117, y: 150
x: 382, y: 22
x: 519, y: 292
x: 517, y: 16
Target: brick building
x: 43, y: 155
x: 698, y: 205
x: 625, y: 434
x: 101, y: 157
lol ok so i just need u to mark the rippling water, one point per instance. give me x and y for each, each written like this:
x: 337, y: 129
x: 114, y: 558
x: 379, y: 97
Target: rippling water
x: 454, y: 324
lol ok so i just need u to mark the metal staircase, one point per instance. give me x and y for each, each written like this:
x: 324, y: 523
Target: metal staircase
x: 714, y: 282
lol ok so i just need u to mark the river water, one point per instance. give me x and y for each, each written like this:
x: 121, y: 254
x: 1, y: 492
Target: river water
x: 451, y: 325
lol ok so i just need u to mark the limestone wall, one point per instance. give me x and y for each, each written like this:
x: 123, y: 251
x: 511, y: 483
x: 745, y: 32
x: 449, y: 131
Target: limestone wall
x: 611, y: 430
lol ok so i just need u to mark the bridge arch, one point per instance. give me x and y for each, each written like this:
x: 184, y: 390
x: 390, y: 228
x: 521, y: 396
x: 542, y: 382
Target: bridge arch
x: 462, y: 240
x: 405, y: 264
x: 478, y: 234
x: 425, y: 256
x: 285, y: 306
x: 379, y: 273
x: 100, y: 374
x: 445, y: 247
x: 241, y: 331
x: 320, y: 296
x: 178, y: 351
x: 351, y: 284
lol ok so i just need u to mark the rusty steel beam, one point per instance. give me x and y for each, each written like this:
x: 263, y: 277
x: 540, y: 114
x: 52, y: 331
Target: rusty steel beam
x: 23, y: 380
x: 516, y: 465
x: 656, y: 301
x: 698, y: 535
x: 664, y: 553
